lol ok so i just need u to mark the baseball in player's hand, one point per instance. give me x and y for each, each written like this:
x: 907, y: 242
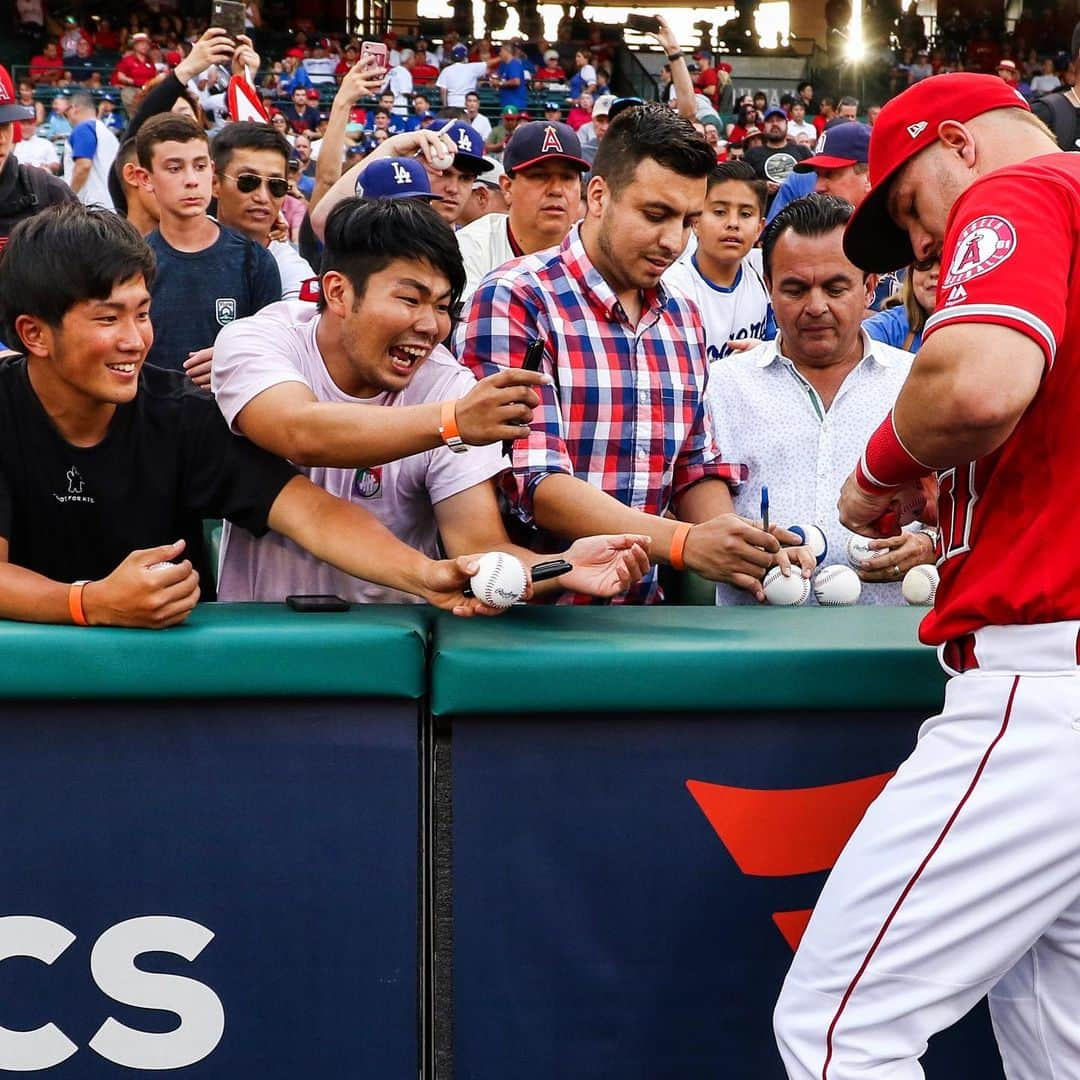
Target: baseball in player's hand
x: 606, y: 566
x: 860, y: 511
x: 445, y: 582
x: 499, y: 407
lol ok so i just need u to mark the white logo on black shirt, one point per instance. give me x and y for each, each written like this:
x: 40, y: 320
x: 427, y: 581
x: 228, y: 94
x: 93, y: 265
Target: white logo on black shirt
x: 225, y: 309
x: 75, y: 486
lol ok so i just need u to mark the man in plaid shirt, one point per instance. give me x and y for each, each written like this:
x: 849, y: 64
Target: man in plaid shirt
x: 622, y: 438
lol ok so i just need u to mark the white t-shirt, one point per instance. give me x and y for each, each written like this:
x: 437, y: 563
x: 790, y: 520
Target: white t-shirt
x: 740, y: 311
x: 768, y: 417
x: 278, y: 346
x: 38, y: 152
x: 458, y: 80
x: 292, y: 266
x: 1045, y: 84
x: 480, y: 124
x: 794, y: 130
x: 321, y: 69
x: 485, y: 245
x: 399, y: 80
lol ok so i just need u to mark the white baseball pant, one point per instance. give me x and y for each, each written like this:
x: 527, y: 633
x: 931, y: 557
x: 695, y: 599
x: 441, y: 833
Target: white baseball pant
x: 963, y: 879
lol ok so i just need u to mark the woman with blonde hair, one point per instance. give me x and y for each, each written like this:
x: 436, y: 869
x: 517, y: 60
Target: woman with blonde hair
x: 902, y: 325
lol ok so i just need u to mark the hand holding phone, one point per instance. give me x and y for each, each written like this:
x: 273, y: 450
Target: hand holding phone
x: 229, y: 15
x: 534, y: 357
x: 644, y: 24
x: 378, y: 52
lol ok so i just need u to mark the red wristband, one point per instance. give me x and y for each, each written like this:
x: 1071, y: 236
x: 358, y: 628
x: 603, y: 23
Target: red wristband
x: 678, y: 545
x: 886, y: 463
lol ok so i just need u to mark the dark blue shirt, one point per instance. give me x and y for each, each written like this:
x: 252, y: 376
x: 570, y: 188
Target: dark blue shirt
x: 195, y: 294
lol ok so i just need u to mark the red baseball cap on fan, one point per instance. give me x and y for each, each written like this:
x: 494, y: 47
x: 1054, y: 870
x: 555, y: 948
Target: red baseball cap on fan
x: 906, y: 126
x: 9, y: 108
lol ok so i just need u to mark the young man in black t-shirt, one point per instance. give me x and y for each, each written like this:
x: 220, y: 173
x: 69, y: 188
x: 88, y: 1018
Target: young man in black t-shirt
x: 208, y: 275
x: 108, y: 465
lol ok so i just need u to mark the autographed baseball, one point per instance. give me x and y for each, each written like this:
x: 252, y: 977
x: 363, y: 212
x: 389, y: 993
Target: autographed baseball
x: 442, y: 161
x: 920, y: 585
x: 859, y: 552
x: 782, y: 591
x: 500, y: 581
x: 813, y: 538
x: 837, y: 586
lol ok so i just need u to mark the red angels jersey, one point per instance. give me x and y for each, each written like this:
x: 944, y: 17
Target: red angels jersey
x: 1006, y: 553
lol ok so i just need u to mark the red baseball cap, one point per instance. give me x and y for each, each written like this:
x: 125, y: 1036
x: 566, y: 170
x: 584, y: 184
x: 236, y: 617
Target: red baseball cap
x: 9, y: 108
x: 906, y: 126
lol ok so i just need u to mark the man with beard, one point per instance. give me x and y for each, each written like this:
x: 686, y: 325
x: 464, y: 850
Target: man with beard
x: 621, y: 437
x: 775, y: 160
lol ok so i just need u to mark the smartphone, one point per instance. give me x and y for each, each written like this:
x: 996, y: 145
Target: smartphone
x: 534, y: 357
x: 542, y: 571
x: 317, y: 602
x: 378, y: 50
x: 229, y: 15
x: 645, y: 24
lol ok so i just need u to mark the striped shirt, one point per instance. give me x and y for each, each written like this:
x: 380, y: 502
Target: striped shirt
x: 627, y: 411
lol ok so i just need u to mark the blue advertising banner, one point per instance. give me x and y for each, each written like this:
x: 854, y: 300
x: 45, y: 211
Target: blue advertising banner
x: 220, y: 889
x: 628, y: 889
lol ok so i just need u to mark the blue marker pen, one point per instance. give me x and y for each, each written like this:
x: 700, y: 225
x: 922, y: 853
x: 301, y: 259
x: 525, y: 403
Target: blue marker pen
x: 764, y: 507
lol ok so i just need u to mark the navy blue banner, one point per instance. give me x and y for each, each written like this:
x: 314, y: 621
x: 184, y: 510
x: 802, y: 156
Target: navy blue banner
x: 216, y: 888
x: 628, y: 891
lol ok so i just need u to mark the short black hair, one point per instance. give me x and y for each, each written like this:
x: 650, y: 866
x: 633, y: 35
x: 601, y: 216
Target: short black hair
x: 743, y: 173
x: 363, y: 236
x: 166, y: 127
x: 247, y: 135
x: 64, y: 255
x: 812, y: 215
x: 802, y: 86
x: 651, y: 131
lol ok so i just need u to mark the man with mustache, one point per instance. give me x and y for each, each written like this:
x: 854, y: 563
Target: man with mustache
x: 542, y: 184
x: 620, y: 436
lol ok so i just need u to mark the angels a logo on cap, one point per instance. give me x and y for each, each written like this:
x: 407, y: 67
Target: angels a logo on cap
x: 982, y: 245
x: 551, y: 142
x: 819, y: 146
x: 4, y: 95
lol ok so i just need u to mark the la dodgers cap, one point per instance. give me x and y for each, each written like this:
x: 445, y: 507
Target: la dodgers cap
x: 622, y: 104
x: 395, y: 178
x: 459, y: 52
x: 906, y: 126
x: 774, y: 110
x: 541, y: 140
x: 9, y: 108
x: 470, y: 147
x: 845, y: 144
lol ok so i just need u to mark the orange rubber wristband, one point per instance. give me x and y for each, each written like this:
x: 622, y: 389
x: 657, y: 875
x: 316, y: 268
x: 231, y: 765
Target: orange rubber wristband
x: 678, y: 545
x: 75, y: 604
x: 448, y: 429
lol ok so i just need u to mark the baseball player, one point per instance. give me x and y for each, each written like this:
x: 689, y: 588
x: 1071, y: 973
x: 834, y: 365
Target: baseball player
x: 963, y: 879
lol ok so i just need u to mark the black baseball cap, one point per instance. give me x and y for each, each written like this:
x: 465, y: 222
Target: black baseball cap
x: 542, y: 139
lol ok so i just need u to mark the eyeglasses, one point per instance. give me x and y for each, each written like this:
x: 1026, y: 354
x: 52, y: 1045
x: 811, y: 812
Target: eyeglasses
x: 247, y: 182
x: 926, y: 265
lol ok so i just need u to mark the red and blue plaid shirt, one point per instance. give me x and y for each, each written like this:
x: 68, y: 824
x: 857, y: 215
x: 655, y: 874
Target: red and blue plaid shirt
x: 627, y: 411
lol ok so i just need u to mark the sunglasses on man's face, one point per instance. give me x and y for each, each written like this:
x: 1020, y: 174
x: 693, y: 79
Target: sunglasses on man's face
x: 246, y: 183
x: 924, y: 266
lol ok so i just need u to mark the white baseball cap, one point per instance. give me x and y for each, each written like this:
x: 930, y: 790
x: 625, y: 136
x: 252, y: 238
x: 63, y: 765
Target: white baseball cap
x: 491, y: 177
x: 603, y: 105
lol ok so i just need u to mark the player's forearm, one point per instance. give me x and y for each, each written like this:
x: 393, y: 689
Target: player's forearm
x: 31, y: 597
x: 966, y: 392
x: 80, y: 175
x: 347, y: 536
x: 328, y: 167
x: 343, y: 436
x: 684, y: 89
x: 570, y: 507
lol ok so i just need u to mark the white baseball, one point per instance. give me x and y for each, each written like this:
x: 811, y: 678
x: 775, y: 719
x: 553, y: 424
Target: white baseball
x: 814, y: 538
x: 859, y: 552
x: 442, y: 161
x: 837, y: 586
x: 920, y: 585
x: 782, y: 591
x: 500, y: 581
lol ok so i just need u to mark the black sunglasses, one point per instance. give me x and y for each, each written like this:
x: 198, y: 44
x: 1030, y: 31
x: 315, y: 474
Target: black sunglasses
x: 926, y: 265
x: 247, y: 182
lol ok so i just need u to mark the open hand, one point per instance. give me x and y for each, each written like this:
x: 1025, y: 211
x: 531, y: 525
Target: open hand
x: 606, y: 566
